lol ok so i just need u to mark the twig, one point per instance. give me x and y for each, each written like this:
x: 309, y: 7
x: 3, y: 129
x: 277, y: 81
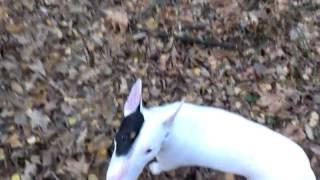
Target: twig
x: 185, y: 39
x: 89, y: 53
x: 207, y: 42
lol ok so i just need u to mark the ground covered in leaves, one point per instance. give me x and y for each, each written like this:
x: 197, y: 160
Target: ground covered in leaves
x: 66, y: 67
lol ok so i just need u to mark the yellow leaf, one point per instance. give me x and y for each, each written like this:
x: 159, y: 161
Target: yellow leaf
x: 196, y: 71
x: 72, y: 120
x: 92, y: 177
x: 151, y: 24
x: 15, y: 177
x: 102, y: 152
x: 2, y: 155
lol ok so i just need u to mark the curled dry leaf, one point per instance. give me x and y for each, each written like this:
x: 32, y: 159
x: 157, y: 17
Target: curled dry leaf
x: 118, y: 18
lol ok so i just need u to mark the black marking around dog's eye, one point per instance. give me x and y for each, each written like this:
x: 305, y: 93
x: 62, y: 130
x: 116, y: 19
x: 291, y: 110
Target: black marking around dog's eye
x: 128, y: 132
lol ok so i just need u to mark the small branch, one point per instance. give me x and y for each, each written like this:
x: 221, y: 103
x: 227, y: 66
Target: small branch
x: 185, y: 39
x: 91, y: 59
x: 206, y: 42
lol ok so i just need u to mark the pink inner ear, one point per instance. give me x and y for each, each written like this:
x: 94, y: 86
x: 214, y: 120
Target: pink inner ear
x: 134, y: 98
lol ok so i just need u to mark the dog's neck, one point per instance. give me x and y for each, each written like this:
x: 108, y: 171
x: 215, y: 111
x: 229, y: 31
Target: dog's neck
x: 225, y: 141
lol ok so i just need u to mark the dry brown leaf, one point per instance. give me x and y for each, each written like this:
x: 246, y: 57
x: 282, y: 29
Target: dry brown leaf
x: 123, y: 86
x: 294, y: 132
x: 151, y: 24
x: 15, y: 28
x: 30, y: 4
x: 77, y: 167
x: 3, y: 12
x: 274, y: 102
x: 14, y: 141
x: 16, y: 87
x: 283, y: 4
x: 118, y: 18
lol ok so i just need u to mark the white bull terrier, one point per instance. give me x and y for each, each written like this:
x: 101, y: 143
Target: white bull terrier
x: 182, y: 134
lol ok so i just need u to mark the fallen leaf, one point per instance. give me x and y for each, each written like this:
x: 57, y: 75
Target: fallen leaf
x: 314, y: 119
x: 77, y: 167
x: 16, y: 87
x: 283, y: 4
x: 251, y: 98
x: 309, y: 132
x: 31, y: 140
x: 315, y: 148
x: 38, y: 119
x: 20, y: 118
x: 151, y: 24
x: 123, y: 85
x: 30, y: 4
x: 15, y: 176
x: 295, y: 133
x: 274, y: 102
x: 92, y: 177
x: 117, y: 17
x: 82, y: 136
x: 37, y: 67
x: 2, y: 155
x: 29, y: 171
x: 3, y: 12
x: 72, y: 120
x: 14, y: 141
x: 15, y: 28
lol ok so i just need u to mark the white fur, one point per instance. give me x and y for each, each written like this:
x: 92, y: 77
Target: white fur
x: 215, y: 138
x: 194, y: 135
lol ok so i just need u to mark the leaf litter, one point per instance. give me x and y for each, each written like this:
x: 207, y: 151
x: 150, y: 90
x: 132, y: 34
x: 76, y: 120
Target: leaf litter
x: 66, y: 67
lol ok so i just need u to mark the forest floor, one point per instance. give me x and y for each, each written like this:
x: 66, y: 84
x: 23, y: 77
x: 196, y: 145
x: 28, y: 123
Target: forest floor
x: 66, y: 67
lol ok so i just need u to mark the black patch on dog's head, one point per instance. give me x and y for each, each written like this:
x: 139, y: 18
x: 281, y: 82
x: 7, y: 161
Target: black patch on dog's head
x: 128, y: 132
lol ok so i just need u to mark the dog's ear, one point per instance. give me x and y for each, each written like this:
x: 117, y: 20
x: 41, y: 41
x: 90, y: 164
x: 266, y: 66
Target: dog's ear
x: 169, y: 120
x: 134, y: 100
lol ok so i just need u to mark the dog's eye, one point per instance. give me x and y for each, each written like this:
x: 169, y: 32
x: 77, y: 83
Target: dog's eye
x: 148, y: 151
